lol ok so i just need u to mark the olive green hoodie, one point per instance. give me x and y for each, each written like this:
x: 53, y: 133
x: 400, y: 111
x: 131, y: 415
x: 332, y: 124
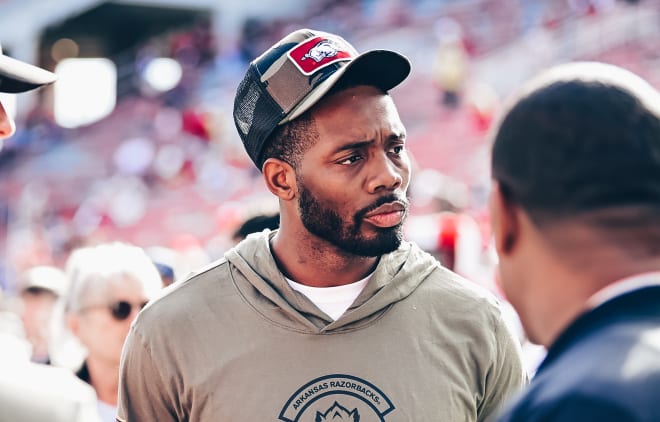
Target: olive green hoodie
x: 235, y: 343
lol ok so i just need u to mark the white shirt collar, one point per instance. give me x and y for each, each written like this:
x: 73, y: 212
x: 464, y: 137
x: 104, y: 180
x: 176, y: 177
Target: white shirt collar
x: 334, y: 301
x: 622, y: 286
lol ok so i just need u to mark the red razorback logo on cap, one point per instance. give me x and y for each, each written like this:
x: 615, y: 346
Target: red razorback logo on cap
x: 316, y: 53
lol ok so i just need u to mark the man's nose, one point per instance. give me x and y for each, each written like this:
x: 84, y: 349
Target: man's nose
x: 386, y: 175
x: 7, y: 126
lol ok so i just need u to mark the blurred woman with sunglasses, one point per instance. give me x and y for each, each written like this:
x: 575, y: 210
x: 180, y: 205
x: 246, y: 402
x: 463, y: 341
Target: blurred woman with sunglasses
x: 108, y: 285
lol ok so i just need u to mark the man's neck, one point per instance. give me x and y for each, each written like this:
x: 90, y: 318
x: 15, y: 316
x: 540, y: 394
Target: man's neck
x: 599, y: 267
x: 316, y: 263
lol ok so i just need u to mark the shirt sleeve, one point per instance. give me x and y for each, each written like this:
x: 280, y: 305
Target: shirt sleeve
x: 507, y: 374
x: 143, y: 393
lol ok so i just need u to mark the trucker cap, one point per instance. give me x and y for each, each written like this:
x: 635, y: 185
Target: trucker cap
x: 296, y: 72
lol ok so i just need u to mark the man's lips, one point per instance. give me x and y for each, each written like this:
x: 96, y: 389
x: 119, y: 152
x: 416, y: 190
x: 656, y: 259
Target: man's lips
x: 387, y: 215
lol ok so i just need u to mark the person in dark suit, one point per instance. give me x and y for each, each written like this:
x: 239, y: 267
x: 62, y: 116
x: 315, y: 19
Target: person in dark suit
x: 575, y: 208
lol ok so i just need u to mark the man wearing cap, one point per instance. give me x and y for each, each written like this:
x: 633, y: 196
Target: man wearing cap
x: 40, y: 288
x: 332, y: 316
x: 575, y: 211
x: 33, y: 392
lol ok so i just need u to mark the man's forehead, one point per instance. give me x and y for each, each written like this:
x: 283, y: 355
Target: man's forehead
x: 364, y: 120
x: 350, y: 98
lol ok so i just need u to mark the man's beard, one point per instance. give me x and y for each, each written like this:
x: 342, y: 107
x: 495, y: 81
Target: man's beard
x: 327, y: 224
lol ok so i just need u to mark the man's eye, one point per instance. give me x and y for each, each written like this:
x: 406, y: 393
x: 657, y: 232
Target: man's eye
x: 351, y: 160
x: 397, y: 149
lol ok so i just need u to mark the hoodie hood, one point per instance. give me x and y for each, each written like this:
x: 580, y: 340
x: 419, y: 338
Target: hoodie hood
x: 260, y: 282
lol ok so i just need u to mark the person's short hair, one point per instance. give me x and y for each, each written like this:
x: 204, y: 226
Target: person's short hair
x: 257, y: 224
x: 90, y: 269
x: 582, y: 139
x: 290, y: 141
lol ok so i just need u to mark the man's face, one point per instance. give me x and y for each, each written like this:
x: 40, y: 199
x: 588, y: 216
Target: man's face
x: 352, y: 182
x: 101, y: 333
x: 36, y: 313
x: 7, y: 126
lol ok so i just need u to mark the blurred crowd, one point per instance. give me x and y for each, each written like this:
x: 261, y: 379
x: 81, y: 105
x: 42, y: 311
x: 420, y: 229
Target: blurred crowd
x: 167, y: 169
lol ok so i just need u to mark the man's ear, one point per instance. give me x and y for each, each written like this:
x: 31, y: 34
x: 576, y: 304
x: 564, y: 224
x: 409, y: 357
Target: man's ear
x: 503, y: 220
x: 280, y: 178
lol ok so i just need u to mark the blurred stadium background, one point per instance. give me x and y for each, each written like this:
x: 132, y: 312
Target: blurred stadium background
x: 135, y: 141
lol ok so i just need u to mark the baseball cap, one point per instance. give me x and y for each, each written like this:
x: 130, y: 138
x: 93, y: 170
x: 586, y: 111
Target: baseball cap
x: 44, y: 277
x: 17, y: 76
x: 296, y: 72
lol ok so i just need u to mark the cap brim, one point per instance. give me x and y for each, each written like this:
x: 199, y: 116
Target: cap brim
x: 51, y: 287
x: 382, y: 68
x: 17, y: 76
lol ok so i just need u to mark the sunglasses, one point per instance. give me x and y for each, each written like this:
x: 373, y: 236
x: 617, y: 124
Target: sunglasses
x: 120, y: 310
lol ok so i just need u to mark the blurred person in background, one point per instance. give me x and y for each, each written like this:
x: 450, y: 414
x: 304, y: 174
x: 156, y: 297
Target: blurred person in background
x: 256, y: 224
x: 108, y: 285
x: 40, y: 288
x: 32, y: 392
x: 451, y: 62
x: 166, y: 261
x: 575, y: 209
x: 333, y: 315
x: 166, y: 273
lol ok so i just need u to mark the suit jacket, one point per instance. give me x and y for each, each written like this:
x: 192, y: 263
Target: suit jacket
x: 604, y: 367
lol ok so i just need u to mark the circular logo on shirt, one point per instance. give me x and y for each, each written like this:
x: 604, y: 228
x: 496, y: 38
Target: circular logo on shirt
x: 337, y: 397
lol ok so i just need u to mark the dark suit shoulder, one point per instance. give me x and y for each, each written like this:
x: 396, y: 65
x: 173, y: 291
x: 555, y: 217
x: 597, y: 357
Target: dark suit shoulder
x: 609, y: 372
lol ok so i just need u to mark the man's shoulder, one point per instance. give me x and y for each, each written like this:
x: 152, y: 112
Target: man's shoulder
x: 446, y: 284
x: 627, y: 349
x: 576, y: 379
x: 416, y: 264
x: 574, y: 406
x: 202, y: 286
x: 623, y: 336
x: 581, y: 387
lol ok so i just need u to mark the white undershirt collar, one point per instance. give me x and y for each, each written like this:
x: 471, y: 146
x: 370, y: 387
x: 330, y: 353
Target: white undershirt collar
x: 334, y: 301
